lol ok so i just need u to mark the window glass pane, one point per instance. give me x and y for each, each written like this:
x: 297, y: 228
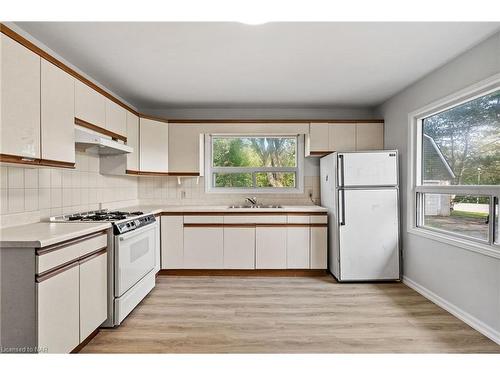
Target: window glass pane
x: 233, y: 180
x: 461, y: 146
x: 254, y: 151
x: 275, y: 179
x: 464, y: 215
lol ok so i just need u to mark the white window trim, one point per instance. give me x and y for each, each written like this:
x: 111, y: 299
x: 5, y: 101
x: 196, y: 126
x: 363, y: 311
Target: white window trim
x: 414, y: 184
x: 298, y: 189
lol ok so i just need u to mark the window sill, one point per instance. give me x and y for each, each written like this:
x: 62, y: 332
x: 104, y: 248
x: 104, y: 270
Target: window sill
x: 488, y: 250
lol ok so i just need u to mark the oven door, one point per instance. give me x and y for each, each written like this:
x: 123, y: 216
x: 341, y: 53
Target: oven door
x: 134, y: 257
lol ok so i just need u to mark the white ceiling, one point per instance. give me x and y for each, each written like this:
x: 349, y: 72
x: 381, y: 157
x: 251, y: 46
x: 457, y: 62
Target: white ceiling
x: 172, y: 64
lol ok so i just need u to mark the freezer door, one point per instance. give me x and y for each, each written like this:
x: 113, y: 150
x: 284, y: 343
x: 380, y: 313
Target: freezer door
x: 368, y: 169
x: 368, y: 235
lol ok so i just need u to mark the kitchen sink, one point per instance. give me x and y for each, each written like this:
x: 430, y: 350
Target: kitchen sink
x: 256, y: 206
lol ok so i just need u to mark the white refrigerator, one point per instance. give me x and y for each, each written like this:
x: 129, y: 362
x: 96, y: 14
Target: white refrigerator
x: 360, y: 190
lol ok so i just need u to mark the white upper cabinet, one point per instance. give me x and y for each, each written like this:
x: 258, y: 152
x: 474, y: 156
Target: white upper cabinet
x: 185, y: 148
x: 342, y: 137
x: 90, y: 106
x: 369, y: 136
x: 133, y: 141
x: 330, y: 137
x: 153, y: 146
x: 20, y: 100
x: 57, y: 114
x: 116, y: 118
x: 318, y: 140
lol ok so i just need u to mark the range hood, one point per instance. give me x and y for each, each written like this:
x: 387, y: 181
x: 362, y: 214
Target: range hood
x: 102, y: 144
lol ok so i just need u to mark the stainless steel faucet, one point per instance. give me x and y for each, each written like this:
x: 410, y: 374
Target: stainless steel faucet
x: 253, y: 200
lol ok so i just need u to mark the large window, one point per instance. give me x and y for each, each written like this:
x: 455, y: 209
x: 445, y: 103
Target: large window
x: 254, y: 163
x: 457, y: 169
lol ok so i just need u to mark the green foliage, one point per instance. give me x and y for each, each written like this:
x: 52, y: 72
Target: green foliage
x: 469, y: 138
x: 254, y: 152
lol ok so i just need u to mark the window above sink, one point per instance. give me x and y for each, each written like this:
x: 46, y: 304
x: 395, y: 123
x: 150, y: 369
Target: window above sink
x: 254, y: 163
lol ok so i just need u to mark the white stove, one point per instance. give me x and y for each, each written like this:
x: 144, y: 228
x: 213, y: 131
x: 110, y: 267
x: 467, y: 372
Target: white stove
x: 132, y: 257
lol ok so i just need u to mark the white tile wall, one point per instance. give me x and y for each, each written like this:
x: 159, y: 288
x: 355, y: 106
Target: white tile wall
x: 166, y: 190
x: 31, y: 194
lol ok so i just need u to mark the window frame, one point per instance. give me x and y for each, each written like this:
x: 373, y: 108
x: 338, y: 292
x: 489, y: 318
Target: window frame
x: 416, y: 189
x: 298, y: 169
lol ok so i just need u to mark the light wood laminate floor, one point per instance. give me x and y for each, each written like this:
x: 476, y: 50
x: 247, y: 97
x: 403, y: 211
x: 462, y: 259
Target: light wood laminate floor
x: 286, y: 315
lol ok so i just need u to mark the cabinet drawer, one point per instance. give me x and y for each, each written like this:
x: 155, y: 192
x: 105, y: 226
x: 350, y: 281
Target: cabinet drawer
x: 203, y: 219
x: 298, y: 219
x: 319, y: 219
x: 50, y: 257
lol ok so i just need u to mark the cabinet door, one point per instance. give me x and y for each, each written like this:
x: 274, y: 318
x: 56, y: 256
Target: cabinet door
x: 172, y: 242
x: 203, y: 247
x: 319, y: 240
x: 318, y: 137
x: 20, y: 100
x: 90, y: 106
x: 58, y: 311
x: 57, y: 114
x: 342, y: 137
x: 93, y: 294
x: 133, y: 141
x: 369, y: 136
x: 116, y: 118
x: 153, y: 146
x: 239, y: 247
x: 184, y: 148
x: 297, y: 247
x: 270, y: 247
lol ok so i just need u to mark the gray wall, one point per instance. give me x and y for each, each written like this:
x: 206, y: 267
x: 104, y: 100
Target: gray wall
x: 263, y: 113
x: 466, y: 282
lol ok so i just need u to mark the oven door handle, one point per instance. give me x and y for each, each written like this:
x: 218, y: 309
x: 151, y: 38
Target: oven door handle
x: 137, y: 232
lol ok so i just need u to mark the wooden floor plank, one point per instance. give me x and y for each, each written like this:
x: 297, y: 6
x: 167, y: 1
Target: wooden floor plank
x: 287, y: 315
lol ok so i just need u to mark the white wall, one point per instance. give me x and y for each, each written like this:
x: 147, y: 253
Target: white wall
x: 467, y: 283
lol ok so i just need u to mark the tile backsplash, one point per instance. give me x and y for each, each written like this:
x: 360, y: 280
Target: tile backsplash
x: 32, y: 194
x: 29, y: 195
x: 166, y: 190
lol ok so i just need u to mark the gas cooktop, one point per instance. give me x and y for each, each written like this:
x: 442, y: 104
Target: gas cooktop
x: 100, y: 215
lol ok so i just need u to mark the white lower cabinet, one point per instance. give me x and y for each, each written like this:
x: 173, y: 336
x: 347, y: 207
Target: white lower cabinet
x: 270, y: 247
x: 203, y: 247
x: 319, y: 243
x: 264, y: 241
x: 297, y: 247
x: 93, y: 294
x: 172, y: 242
x: 239, y: 247
x: 59, y: 311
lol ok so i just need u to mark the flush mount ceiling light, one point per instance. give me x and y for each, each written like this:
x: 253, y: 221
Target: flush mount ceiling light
x: 254, y: 22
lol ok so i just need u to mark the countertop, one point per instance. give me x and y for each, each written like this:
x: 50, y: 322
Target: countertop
x: 156, y: 209
x: 45, y: 234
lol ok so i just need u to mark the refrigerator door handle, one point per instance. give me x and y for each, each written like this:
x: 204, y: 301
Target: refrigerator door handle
x: 341, y: 169
x: 342, y: 213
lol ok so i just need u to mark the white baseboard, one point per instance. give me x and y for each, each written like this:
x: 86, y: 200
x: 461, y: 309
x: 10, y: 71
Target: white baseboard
x: 454, y: 310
